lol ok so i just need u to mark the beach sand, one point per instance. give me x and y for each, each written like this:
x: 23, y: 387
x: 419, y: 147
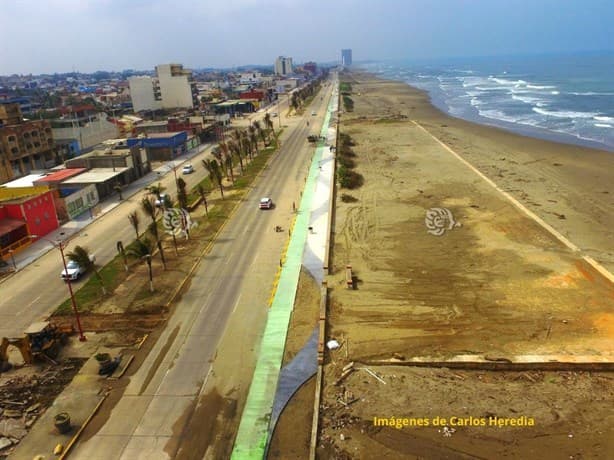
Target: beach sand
x: 524, y: 275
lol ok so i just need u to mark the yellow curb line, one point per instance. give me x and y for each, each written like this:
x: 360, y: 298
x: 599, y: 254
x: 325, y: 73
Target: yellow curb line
x: 87, y: 421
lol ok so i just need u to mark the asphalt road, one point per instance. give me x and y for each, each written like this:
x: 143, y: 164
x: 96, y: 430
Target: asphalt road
x: 35, y: 291
x: 159, y: 413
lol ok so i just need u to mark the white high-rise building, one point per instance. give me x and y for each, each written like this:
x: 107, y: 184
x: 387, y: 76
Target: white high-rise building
x: 283, y: 65
x: 173, y: 88
x: 143, y: 93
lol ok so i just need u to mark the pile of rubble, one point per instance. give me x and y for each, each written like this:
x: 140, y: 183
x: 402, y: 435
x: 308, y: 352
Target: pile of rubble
x: 23, y: 398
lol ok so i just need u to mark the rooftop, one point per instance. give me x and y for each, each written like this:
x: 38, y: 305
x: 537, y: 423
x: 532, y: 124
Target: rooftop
x: 59, y: 176
x: 95, y: 175
x: 25, y: 181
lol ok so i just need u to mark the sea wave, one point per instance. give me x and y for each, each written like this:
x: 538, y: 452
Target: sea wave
x: 528, y: 99
x: 602, y: 125
x: 590, y: 93
x: 603, y: 118
x: 564, y: 113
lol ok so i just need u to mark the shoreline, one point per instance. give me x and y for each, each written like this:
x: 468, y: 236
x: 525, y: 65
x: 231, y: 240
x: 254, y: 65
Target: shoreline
x: 437, y: 100
x: 568, y: 186
x: 534, y: 132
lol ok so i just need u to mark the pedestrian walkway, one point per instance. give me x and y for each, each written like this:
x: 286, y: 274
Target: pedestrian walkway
x: 308, y: 242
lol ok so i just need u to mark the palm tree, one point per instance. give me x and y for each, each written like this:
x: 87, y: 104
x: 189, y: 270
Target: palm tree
x: 82, y: 256
x: 201, y: 192
x: 246, y: 144
x: 149, y: 206
x: 228, y: 167
x: 268, y: 123
x: 155, y: 189
x: 143, y: 249
x: 133, y: 217
x: 213, y: 167
x: 236, y: 150
x: 260, y: 131
x: 253, y: 138
x: 182, y: 195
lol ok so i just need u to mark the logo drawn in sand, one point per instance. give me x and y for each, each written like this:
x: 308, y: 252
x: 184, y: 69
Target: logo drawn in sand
x: 177, y: 221
x: 438, y: 220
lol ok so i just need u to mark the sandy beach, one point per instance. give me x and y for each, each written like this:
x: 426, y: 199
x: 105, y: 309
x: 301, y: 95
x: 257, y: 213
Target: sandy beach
x: 521, y: 273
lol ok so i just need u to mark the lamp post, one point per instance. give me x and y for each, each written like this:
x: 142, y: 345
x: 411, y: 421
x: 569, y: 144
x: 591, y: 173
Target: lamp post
x: 60, y: 246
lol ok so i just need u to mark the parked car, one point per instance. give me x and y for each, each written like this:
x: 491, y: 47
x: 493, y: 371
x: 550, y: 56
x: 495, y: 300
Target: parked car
x: 274, y: 114
x: 266, y: 203
x: 160, y: 200
x: 187, y: 169
x: 313, y: 114
x: 74, y: 270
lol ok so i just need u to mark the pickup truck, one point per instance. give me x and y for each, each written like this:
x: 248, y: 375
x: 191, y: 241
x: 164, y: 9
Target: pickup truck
x: 74, y: 270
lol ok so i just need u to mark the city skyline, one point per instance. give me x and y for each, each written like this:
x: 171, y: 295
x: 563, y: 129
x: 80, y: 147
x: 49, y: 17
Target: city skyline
x: 60, y: 36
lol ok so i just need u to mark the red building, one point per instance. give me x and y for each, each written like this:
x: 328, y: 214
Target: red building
x: 253, y: 94
x: 22, y: 217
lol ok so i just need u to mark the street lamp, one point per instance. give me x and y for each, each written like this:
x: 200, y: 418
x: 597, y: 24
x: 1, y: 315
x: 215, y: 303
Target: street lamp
x: 60, y: 246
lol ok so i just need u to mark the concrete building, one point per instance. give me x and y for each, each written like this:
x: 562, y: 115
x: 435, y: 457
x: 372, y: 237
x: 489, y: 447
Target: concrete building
x: 25, y: 216
x: 24, y: 145
x: 173, y: 88
x: 87, y: 127
x: 145, y: 94
x: 283, y: 65
x: 162, y: 146
x: 346, y: 57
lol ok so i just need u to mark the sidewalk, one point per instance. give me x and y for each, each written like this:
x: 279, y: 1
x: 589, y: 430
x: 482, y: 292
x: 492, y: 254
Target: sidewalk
x: 71, y: 228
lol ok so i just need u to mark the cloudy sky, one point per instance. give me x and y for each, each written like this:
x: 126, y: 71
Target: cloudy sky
x: 40, y: 36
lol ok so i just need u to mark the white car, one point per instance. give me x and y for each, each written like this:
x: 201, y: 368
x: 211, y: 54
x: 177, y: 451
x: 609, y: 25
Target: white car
x: 74, y: 270
x: 187, y: 169
x: 313, y: 114
x: 160, y: 200
x: 274, y: 114
x: 266, y: 203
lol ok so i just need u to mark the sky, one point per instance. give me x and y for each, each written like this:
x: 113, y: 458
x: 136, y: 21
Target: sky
x: 48, y: 36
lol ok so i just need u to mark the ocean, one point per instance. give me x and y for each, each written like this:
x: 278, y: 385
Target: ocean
x: 566, y: 98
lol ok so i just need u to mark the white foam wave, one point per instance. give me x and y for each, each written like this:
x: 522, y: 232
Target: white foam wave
x: 590, y: 93
x: 491, y: 88
x: 602, y: 125
x: 540, y: 86
x: 527, y: 99
x: 563, y: 114
x: 606, y: 119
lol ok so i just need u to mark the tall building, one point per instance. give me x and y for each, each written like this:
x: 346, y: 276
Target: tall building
x: 144, y: 93
x: 346, y: 57
x: 283, y: 65
x: 24, y: 145
x: 172, y: 88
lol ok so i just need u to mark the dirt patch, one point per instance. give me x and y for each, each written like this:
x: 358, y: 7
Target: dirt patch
x: 304, y: 315
x: 26, y: 393
x: 403, y: 417
x: 293, y: 432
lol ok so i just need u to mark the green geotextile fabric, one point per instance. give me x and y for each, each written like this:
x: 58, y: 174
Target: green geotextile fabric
x: 253, y: 430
